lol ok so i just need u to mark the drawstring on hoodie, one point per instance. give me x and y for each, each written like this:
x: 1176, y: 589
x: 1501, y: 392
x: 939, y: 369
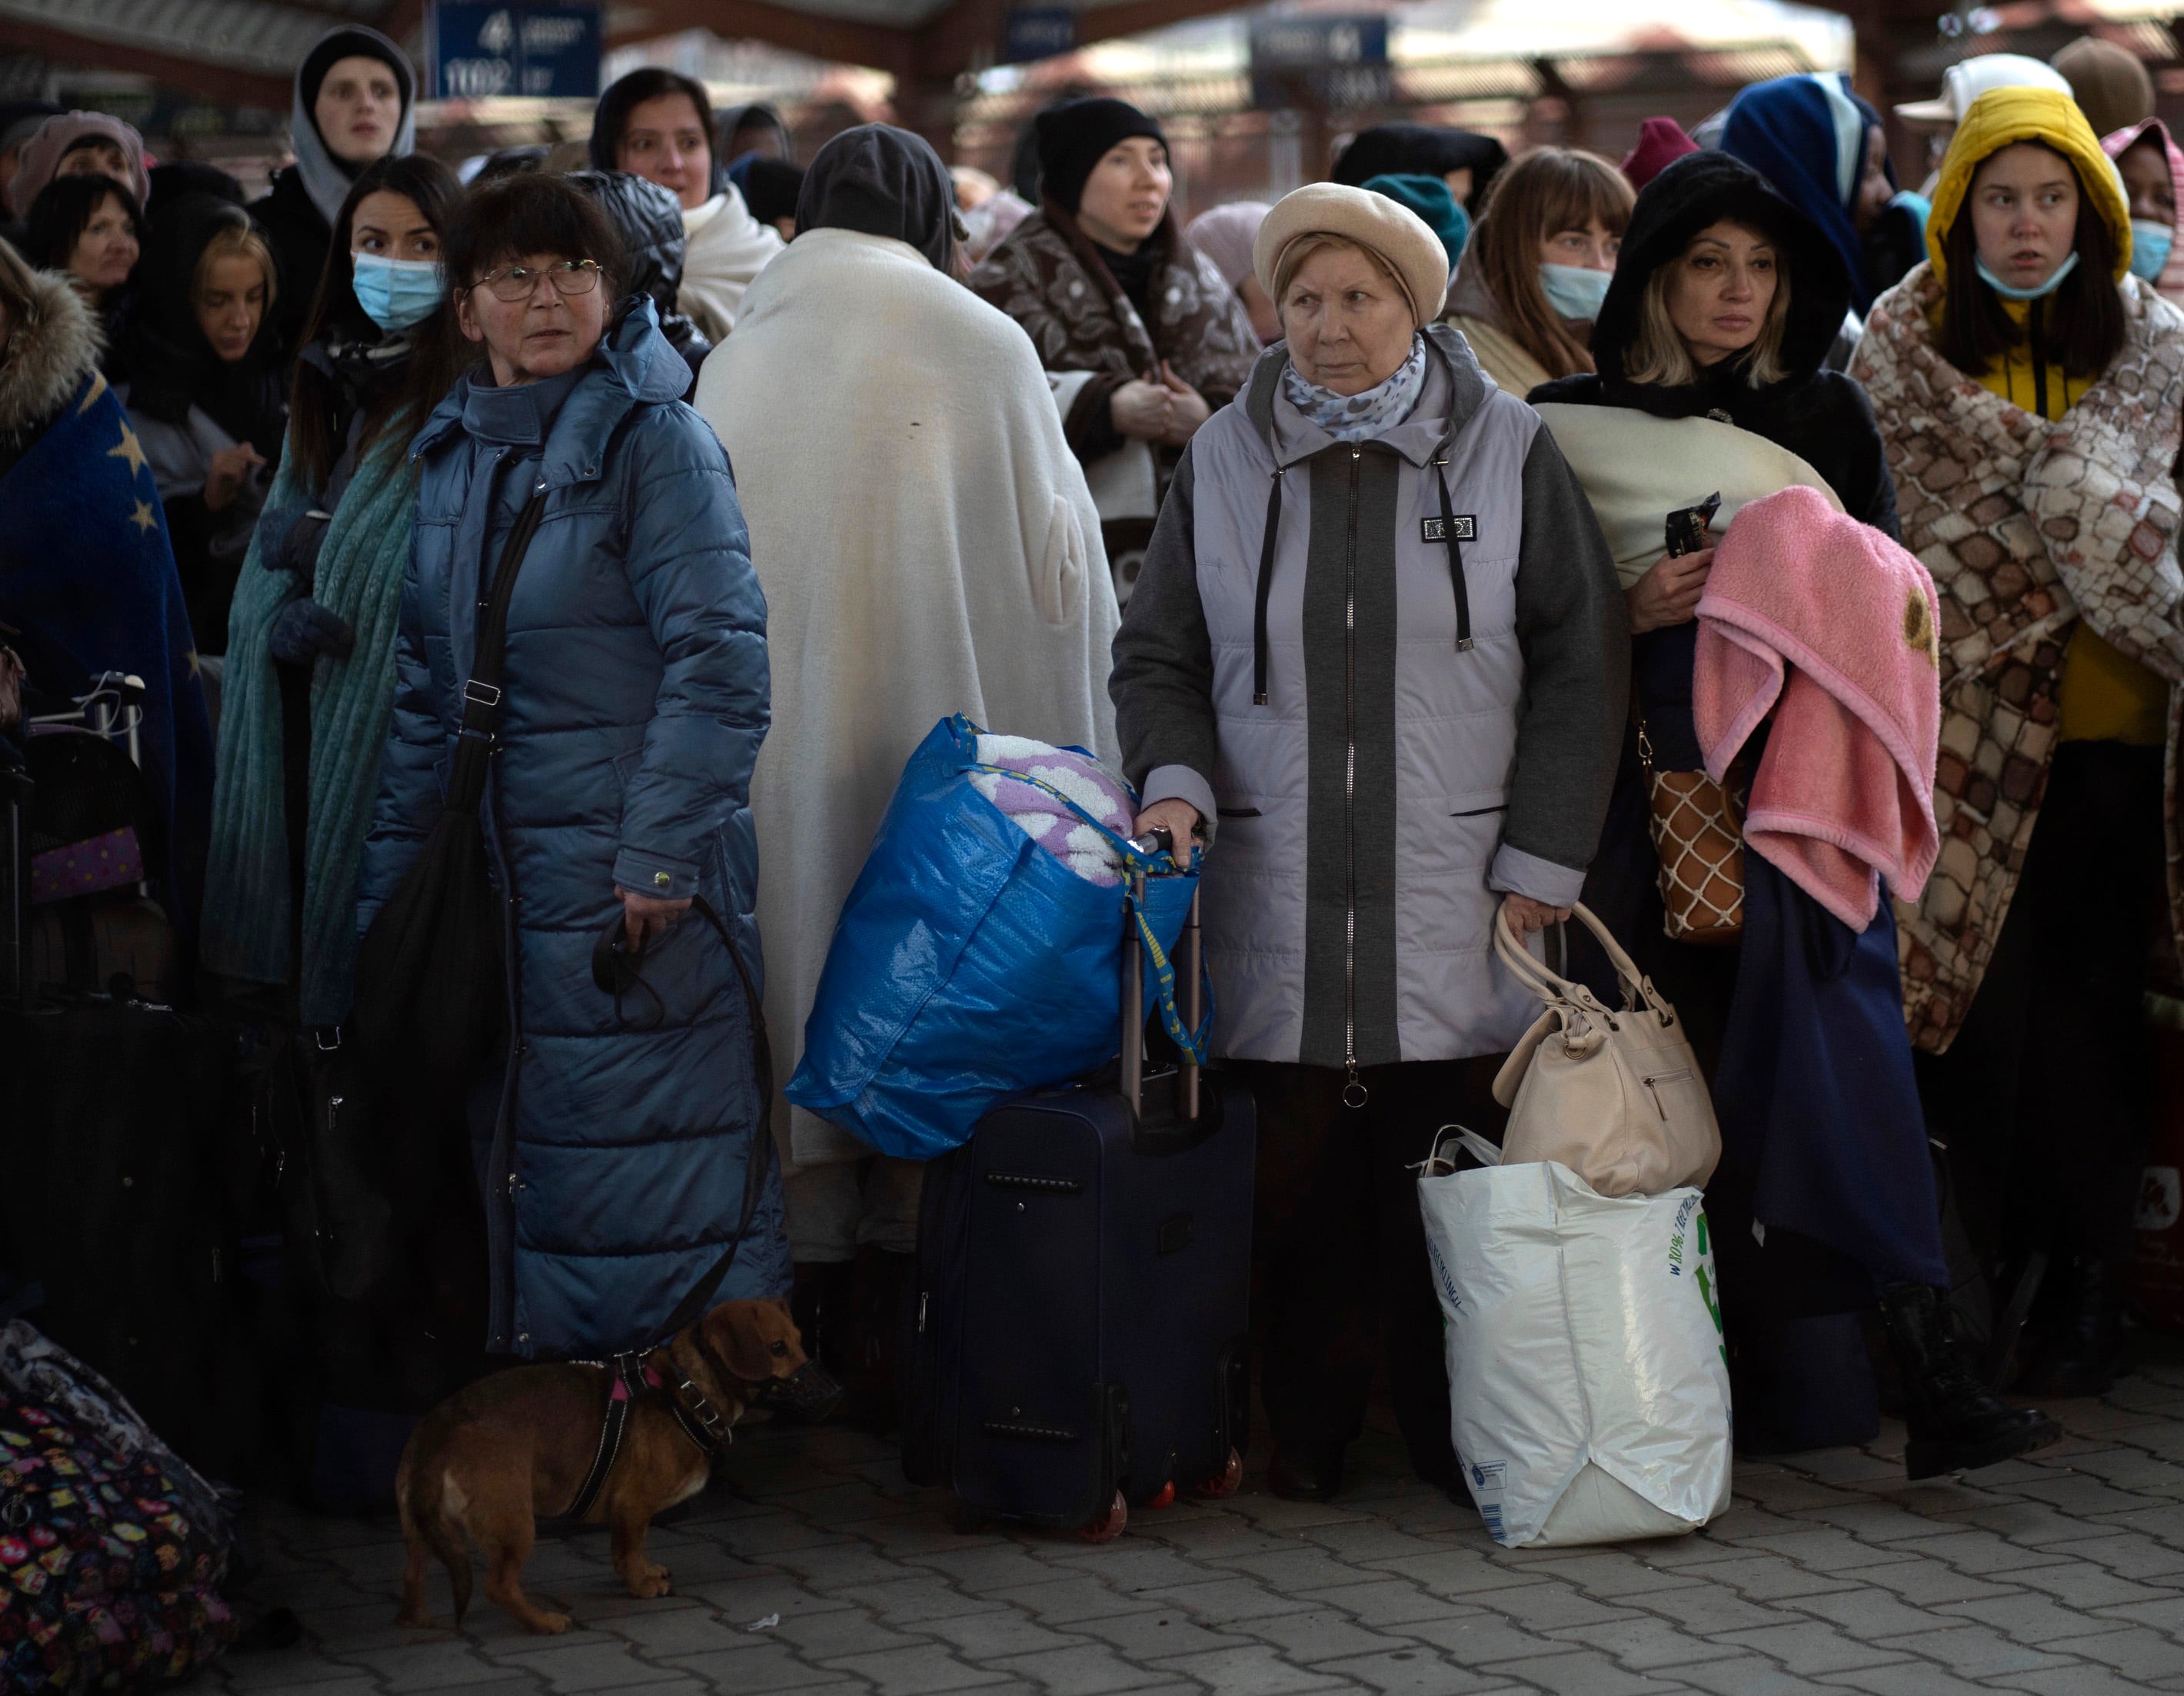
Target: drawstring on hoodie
x: 1464, y: 639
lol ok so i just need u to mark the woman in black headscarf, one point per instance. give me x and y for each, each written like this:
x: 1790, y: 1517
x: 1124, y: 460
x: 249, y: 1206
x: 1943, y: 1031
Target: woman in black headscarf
x: 205, y: 392
x: 919, y: 525
x: 1709, y: 382
x: 1469, y: 162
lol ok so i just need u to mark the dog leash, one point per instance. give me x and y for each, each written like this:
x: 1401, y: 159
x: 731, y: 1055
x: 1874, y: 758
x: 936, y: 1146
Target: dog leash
x: 634, y: 1377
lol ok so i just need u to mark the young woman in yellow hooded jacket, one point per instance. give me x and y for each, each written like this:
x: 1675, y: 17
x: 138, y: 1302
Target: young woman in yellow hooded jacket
x: 2028, y: 387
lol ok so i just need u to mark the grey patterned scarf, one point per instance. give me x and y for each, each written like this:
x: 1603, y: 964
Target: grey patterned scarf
x: 1360, y: 417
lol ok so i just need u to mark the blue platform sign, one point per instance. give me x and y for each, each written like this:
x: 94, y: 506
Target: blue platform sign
x: 1343, y: 60
x: 476, y: 49
x: 1037, y: 32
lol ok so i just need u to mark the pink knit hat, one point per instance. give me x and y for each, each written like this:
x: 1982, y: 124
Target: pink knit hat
x: 41, y: 155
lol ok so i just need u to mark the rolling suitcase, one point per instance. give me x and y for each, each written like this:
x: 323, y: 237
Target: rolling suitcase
x: 1078, y: 1342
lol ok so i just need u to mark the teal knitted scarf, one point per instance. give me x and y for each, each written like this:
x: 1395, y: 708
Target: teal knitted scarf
x: 360, y: 570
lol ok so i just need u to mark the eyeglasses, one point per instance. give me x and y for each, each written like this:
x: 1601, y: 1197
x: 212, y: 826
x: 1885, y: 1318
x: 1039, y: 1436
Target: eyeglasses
x: 512, y: 283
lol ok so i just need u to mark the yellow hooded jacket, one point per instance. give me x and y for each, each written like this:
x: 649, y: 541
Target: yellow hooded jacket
x: 2106, y: 696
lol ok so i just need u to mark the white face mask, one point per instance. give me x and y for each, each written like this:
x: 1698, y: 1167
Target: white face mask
x: 1575, y: 291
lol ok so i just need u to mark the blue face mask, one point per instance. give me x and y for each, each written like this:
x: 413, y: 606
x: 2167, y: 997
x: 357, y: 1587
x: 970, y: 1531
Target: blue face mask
x: 396, y: 294
x: 2150, y: 243
x: 1574, y: 291
x: 2006, y: 292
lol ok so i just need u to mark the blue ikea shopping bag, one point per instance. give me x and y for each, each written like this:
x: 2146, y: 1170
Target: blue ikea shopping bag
x: 970, y: 965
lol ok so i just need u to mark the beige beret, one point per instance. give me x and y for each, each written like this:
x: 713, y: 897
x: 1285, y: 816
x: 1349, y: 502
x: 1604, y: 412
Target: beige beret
x: 1394, y: 233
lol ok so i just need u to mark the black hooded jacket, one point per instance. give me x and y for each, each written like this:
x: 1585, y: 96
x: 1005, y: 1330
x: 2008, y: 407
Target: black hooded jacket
x: 1822, y: 416
x: 173, y: 370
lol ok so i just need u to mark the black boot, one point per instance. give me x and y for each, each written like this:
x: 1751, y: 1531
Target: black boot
x: 821, y: 1304
x: 1301, y: 1475
x: 1957, y: 1423
x: 2084, y: 1352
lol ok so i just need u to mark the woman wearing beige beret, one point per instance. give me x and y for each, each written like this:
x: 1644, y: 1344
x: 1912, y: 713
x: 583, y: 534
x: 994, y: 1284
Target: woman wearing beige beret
x: 1378, y: 643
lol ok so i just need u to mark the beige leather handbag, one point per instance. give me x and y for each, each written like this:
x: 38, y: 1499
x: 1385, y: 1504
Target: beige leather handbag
x: 1612, y: 1094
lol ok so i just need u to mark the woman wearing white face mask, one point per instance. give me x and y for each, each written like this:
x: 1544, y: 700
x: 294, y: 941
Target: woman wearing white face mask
x: 309, y: 677
x: 1539, y: 265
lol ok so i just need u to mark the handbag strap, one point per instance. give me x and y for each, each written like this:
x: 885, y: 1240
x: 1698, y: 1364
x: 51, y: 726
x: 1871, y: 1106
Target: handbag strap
x: 481, y: 690
x: 1551, y: 986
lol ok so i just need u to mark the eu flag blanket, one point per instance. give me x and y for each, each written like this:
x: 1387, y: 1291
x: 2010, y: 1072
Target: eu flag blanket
x: 87, y: 584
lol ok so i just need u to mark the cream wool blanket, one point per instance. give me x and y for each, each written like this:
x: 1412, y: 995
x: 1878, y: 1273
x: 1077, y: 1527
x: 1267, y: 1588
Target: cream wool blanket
x: 2027, y: 527
x: 723, y: 248
x: 928, y: 546
x: 1638, y: 468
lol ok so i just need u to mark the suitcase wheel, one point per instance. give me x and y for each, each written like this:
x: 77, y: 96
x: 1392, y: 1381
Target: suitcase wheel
x: 1225, y: 1482
x: 1166, y: 1499
x: 1109, y: 1526
x: 966, y: 1520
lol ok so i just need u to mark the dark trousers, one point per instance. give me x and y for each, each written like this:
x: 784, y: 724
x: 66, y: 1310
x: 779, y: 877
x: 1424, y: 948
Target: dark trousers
x: 1342, y: 1253
x: 2044, y: 1097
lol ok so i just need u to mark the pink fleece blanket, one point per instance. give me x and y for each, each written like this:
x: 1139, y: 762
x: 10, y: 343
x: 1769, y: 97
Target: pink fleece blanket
x: 1827, y: 623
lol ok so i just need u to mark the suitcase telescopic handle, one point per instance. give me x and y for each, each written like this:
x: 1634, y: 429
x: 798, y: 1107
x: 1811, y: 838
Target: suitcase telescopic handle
x: 1157, y: 840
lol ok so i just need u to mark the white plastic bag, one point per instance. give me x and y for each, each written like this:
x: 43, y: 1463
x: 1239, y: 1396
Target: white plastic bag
x: 1588, y: 1386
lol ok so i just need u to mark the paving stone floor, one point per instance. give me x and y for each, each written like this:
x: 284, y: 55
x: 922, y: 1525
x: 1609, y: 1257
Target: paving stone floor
x: 2063, y: 1576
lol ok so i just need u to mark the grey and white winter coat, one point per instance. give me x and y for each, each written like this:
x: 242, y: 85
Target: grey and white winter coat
x: 1389, y: 730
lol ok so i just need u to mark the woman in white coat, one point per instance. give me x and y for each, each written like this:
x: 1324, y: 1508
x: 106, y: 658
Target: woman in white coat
x: 928, y: 546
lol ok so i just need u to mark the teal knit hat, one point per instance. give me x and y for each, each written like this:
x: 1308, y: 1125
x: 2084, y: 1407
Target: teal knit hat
x: 1428, y: 197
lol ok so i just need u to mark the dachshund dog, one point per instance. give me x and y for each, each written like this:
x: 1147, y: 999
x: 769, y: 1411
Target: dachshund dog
x: 552, y: 1440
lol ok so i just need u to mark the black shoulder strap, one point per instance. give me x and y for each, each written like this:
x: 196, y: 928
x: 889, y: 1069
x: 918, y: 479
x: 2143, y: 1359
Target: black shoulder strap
x: 482, y: 692
x: 755, y: 1163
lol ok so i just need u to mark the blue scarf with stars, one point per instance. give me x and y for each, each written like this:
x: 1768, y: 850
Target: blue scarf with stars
x: 87, y: 584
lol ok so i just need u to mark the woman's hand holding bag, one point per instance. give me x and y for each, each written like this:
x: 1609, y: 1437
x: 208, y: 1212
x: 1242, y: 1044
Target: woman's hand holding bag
x: 1614, y: 1094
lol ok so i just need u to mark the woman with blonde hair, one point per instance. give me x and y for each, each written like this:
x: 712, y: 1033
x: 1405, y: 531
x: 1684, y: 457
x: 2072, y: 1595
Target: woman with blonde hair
x: 205, y: 393
x: 1538, y: 266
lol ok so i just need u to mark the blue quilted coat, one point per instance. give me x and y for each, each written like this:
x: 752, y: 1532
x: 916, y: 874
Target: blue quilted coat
x: 611, y: 1149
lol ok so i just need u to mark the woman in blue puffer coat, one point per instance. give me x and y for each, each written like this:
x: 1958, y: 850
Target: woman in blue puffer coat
x: 611, y: 1146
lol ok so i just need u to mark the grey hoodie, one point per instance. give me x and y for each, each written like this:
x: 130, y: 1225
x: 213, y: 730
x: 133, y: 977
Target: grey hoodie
x: 326, y: 178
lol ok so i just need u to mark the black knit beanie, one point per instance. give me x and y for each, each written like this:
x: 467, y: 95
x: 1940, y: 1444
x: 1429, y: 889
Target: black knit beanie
x: 1074, y: 138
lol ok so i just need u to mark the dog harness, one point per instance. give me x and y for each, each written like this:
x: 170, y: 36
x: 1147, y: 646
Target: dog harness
x: 636, y: 1378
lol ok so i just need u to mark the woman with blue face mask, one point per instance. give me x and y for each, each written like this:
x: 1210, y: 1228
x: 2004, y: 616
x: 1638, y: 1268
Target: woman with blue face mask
x: 1538, y: 266
x: 310, y: 677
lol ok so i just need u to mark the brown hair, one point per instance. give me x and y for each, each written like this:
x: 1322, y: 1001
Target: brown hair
x: 2085, y: 323
x: 1547, y: 191
x: 236, y: 242
x: 1657, y: 356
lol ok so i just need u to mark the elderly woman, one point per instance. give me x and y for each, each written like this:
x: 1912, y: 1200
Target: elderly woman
x: 612, y: 1147
x: 1710, y: 346
x: 1378, y: 640
x: 980, y: 589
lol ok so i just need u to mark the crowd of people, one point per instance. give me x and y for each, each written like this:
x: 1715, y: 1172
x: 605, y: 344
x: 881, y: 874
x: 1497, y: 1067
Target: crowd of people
x: 1336, y: 525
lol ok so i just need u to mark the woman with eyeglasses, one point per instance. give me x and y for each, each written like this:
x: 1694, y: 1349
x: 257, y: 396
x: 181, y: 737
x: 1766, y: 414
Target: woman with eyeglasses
x: 612, y: 1136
